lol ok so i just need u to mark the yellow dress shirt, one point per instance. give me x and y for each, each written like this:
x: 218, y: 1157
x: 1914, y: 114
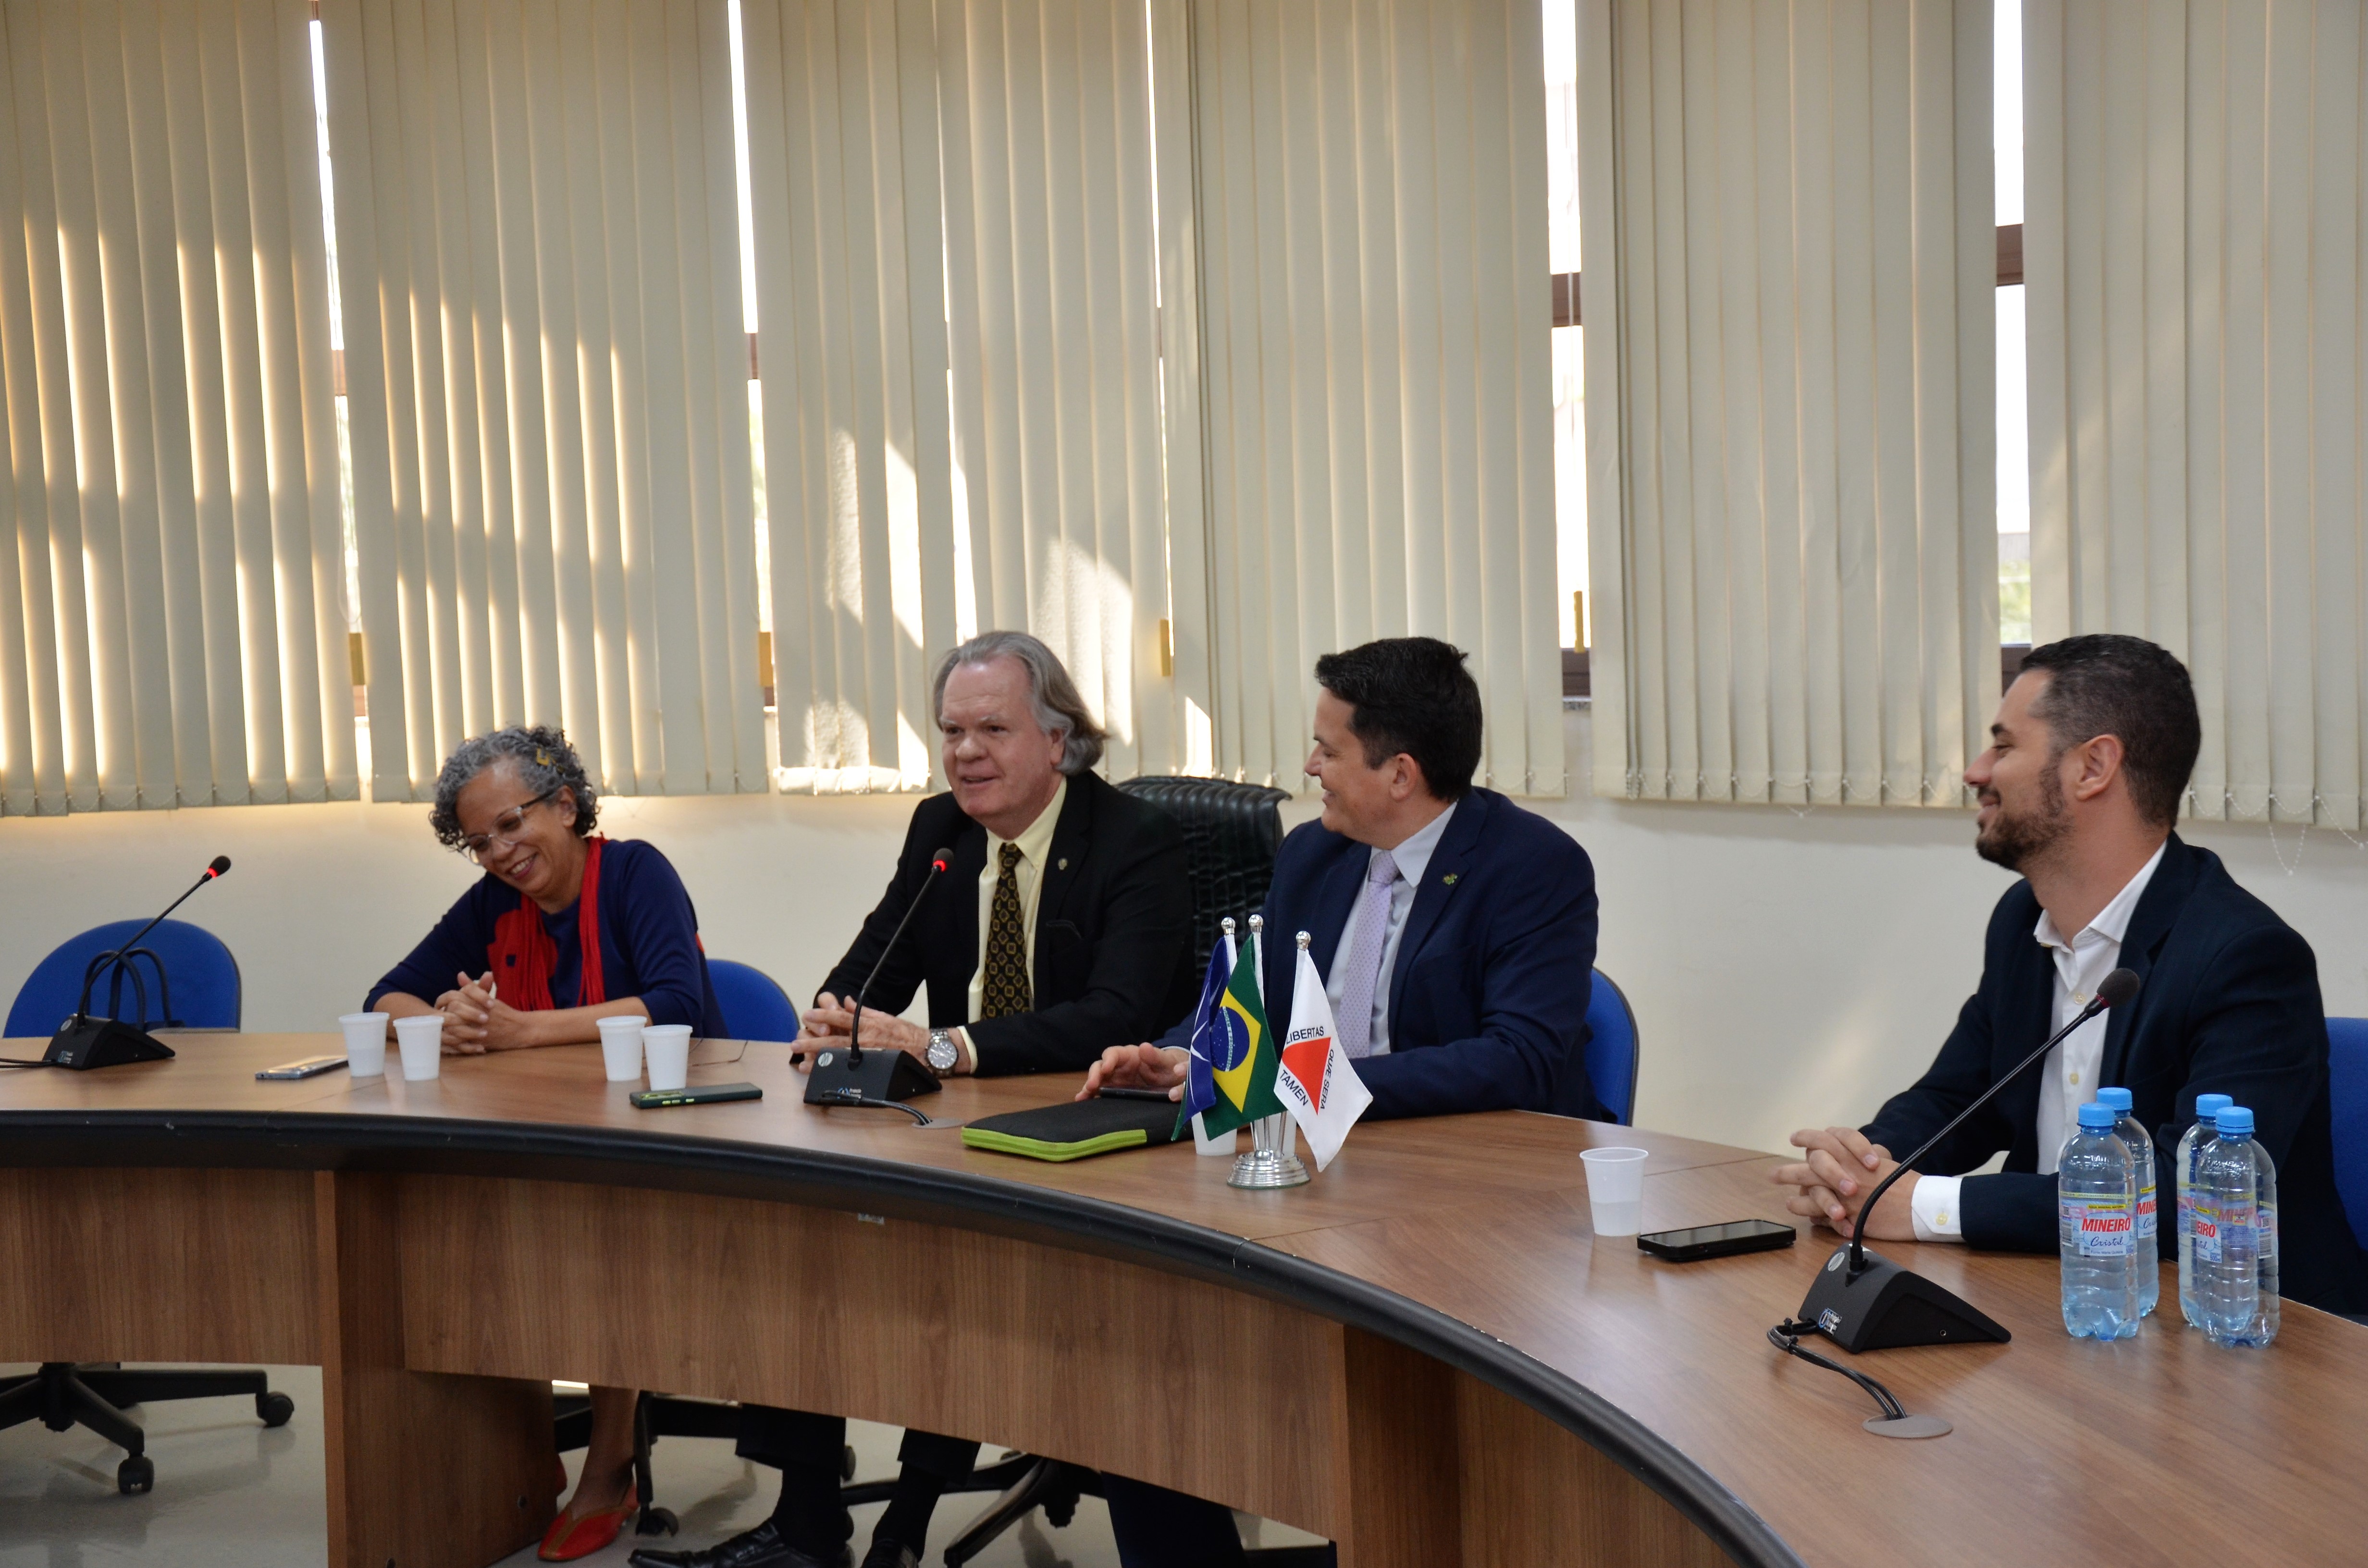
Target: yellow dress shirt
x: 1035, y: 842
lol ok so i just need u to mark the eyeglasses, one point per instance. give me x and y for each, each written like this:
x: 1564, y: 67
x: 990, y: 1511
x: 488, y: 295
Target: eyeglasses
x: 505, y: 827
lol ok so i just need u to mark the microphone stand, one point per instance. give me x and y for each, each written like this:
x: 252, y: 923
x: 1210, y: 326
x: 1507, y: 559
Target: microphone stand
x: 1862, y: 1300
x: 883, y: 1078
x: 83, y: 1041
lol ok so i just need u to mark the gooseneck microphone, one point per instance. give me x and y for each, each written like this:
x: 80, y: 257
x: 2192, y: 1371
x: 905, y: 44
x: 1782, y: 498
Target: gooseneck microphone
x: 2114, y: 991
x: 83, y: 1041
x: 938, y: 862
x: 1862, y: 1300
x: 848, y: 1077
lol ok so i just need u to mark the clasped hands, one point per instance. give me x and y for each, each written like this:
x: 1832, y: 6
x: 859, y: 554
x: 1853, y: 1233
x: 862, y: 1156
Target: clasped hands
x: 1841, y: 1169
x: 477, y: 1020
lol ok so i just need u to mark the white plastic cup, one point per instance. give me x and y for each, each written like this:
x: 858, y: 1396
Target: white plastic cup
x: 668, y: 1048
x: 422, y: 1042
x: 620, y: 1047
x: 365, y: 1044
x: 1615, y: 1189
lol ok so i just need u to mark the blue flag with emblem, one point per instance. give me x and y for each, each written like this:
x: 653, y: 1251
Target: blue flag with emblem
x: 1199, y: 1072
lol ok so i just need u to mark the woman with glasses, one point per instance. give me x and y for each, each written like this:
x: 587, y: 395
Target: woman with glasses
x: 565, y: 929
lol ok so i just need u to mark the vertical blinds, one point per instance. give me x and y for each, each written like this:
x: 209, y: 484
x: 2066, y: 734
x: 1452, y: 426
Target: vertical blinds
x: 170, y: 625
x: 1371, y: 225
x: 957, y: 280
x: 538, y: 245
x: 1792, y: 480
x: 2192, y: 247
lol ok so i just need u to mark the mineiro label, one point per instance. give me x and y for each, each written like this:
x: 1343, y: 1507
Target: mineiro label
x: 2145, y: 1212
x: 2101, y: 1225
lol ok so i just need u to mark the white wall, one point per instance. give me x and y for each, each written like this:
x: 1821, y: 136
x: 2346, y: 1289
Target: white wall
x: 1786, y: 967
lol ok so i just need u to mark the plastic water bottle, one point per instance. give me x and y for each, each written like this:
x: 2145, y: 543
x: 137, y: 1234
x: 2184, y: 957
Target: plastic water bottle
x: 2236, y: 1224
x: 2096, y: 1198
x: 2265, y: 1230
x: 2184, y: 1161
x: 2146, y: 1254
x: 2228, y: 1261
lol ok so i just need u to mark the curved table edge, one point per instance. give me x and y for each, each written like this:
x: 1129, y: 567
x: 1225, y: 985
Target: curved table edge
x: 1120, y: 1228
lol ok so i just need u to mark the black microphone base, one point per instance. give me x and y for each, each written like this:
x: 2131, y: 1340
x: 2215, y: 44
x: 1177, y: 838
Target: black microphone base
x: 839, y: 1079
x: 1885, y: 1307
x: 84, y: 1042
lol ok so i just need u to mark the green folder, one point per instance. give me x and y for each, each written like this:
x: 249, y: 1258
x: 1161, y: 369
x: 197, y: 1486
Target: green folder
x: 1074, y: 1128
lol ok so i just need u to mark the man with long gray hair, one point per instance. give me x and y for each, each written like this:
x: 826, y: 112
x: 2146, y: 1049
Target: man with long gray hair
x: 1066, y: 927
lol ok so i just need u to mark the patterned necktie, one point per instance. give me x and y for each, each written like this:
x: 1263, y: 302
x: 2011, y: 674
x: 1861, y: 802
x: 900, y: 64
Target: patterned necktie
x: 1363, y: 956
x: 1007, y: 989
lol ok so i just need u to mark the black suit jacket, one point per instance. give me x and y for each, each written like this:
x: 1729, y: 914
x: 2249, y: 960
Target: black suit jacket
x: 2229, y: 1005
x: 1113, y: 932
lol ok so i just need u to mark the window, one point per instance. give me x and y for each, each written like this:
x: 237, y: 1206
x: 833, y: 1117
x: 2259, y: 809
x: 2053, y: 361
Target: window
x: 2013, y: 425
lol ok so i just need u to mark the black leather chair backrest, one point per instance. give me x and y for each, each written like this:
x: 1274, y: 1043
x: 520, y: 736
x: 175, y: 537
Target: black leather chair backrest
x: 1231, y: 833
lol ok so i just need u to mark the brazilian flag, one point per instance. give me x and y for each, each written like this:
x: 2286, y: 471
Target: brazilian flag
x: 1243, y: 1057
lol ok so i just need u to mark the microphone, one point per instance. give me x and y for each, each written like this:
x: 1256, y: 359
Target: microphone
x: 850, y: 1077
x: 1862, y: 1300
x: 83, y: 1041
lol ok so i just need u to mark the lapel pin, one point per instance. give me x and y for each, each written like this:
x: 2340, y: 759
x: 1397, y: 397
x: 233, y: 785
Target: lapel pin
x: 1065, y: 862
x: 1449, y: 879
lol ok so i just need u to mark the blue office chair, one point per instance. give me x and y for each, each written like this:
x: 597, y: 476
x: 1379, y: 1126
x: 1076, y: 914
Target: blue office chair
x: 1612, y: 1048
x: 2347, y: 1086
x: 192, y: 982
x: 755, y: 1006
x: 188, y: 979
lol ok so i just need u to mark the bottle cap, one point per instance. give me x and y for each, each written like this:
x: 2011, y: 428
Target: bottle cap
x: 2236, y: 1122
x: 2118, y: 1098
x: 2209, y: 1106
x: 2097, y: 1115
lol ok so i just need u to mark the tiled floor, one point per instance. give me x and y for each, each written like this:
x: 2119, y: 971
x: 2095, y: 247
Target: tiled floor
x: 231, y: 1494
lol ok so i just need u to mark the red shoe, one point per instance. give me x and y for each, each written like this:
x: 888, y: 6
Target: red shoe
x: 568, y: 1540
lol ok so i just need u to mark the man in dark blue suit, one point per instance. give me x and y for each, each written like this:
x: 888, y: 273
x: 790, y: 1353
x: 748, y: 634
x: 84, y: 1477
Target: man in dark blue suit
x: 1456, y: 933
x: 2090, y: 755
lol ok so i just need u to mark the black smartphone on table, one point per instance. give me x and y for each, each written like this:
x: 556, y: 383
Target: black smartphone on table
x: 1700, y: 1241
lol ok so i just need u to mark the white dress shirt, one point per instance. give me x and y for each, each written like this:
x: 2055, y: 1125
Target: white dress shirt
x: 2069, y: 1077
x: 1413, y: 857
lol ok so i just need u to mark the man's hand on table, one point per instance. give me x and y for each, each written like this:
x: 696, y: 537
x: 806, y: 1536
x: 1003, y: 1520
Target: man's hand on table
x: 833, y: 1019
x: 1840, y: 1168
x: 1137, y: 1067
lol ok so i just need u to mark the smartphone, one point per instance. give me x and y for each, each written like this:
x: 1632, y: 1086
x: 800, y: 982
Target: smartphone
x: 1717, y: 1241
x: 704, y: 1094
x: 311, y: 1067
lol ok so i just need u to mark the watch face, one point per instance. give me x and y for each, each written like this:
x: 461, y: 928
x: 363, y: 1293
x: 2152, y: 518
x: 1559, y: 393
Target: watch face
x: 941, y: 1052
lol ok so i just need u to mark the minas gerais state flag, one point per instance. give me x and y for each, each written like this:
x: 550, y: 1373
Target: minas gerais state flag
x: 1317, y: 1084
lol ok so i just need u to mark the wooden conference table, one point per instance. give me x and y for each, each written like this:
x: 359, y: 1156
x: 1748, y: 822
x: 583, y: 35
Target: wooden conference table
x: 1425, y: 1355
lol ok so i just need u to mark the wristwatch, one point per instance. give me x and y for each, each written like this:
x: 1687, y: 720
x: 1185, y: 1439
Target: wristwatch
x: 944, y: 1056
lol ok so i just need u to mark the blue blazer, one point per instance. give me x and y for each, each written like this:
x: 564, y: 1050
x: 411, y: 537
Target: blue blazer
x: 2229, y: 1005
x: 1488, y: 995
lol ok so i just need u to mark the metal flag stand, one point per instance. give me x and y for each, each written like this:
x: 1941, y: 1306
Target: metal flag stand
x: 1273, y: 1159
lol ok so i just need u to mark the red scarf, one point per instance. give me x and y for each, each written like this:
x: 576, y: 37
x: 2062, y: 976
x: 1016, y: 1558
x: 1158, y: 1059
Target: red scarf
x: 522, y: 954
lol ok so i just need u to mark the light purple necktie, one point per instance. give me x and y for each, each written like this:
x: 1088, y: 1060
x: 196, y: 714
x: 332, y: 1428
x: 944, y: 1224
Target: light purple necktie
x: 1367, y: 937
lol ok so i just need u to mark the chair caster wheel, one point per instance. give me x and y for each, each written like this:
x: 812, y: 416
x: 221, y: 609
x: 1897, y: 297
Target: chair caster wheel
x: 274, y: 1409
x: 656, y: 1521
x: 135, y: 1476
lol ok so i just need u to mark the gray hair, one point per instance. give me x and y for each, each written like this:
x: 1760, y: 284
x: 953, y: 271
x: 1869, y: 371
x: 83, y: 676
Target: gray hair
x: 545, y: 763
x: 1059, y: 708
